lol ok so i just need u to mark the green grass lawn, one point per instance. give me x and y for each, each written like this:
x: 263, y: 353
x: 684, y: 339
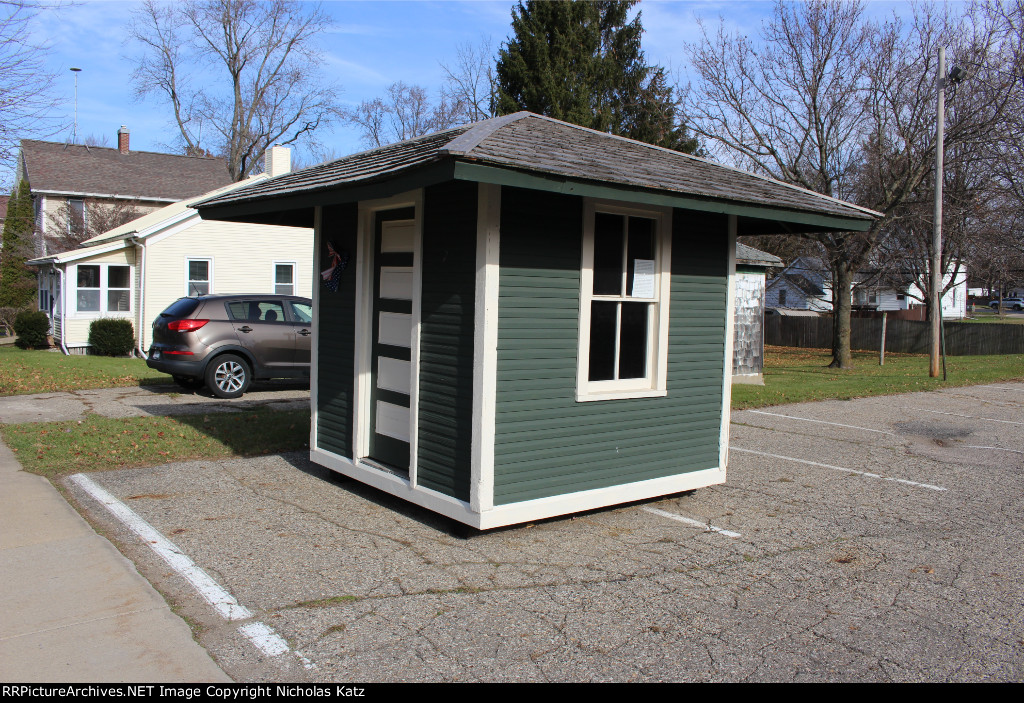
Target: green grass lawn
x: 98, y: 443
x: 25, y: 371
x: 797, y: 375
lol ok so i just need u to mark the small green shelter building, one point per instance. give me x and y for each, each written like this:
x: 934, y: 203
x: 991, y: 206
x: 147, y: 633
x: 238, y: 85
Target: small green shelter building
x: 523, y: 318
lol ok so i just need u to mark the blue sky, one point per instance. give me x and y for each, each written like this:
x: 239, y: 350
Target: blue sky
x: 373, y: 44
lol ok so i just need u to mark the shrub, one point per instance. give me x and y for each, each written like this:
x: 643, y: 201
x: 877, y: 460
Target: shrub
x: 32, y: 326
x: 111, y: 336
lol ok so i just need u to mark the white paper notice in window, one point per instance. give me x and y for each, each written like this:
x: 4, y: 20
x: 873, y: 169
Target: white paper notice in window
x: 643, y: 278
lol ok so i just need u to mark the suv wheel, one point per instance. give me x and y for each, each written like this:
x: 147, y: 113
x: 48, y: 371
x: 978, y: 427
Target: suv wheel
x: 228, y: 376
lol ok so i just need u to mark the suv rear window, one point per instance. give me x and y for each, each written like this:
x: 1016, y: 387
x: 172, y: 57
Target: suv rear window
x: 182, y: 307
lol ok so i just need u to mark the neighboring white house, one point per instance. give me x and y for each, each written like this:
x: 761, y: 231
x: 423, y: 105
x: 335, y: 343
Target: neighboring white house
x: 136, y: 270
x: 806, y: 284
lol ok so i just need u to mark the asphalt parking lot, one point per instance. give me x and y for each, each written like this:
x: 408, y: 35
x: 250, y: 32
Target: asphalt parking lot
x: 867, y: 540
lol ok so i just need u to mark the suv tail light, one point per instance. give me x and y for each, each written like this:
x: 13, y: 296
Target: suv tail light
x: 185, y: 325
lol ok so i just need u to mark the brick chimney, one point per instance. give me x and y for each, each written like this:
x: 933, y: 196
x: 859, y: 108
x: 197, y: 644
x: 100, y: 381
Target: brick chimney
x: 277, y: 160
x: 122, y: 139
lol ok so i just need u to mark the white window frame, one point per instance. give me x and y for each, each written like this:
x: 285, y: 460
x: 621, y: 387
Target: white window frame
x: 209, y: 271
x: 104, y: 289
x: 654, y: 384
x: 273, y: 277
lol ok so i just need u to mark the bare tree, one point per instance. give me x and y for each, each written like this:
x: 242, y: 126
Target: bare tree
x: 266, y: 88
x: 27, y: 105
x: 470, y: 82
x: 68, y: 227
x: 404, y: 112
x: 838, y: 104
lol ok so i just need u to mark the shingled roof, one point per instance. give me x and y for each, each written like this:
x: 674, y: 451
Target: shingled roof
x: 557, y: 151
x: 755, y: 257
x: 75, y: 169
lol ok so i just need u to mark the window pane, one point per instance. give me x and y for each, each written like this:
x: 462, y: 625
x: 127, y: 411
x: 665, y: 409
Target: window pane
x: 271, y: 311
x: 238, y: 310
x: 633, y: 341
x: 640, y: 246
x: 283, y: 273
x: 118, y: 277
x: 608, y: 235
x: 88, y: 301
x: 199, y: 270
x: 88, y: 277
x: 118, y: 301
x: 302, y: 312
x: 602, y: 340
x: 288, y: 289
x: 198, y: 288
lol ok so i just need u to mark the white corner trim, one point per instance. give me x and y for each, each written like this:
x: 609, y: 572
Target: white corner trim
x: 730, y: 313
x: 485, y: 345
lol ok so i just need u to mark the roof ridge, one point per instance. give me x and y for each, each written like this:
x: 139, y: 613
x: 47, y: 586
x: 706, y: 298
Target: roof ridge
x: 471, y: 138
x: 89, y: 147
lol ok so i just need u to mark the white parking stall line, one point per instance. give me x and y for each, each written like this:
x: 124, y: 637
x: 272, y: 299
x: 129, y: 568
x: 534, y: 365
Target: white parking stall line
x: 821, y: 422
x: 866, y: 474
x: 261, y: 635
x: 972, y: 417
x: 999, y: 449
x: 693, y: 523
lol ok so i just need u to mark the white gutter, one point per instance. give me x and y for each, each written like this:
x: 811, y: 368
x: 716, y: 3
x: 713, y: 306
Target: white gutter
x: 141, y: 348
x: 63, y: 308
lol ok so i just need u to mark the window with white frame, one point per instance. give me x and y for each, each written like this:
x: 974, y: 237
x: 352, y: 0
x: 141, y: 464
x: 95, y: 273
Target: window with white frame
x: 624, y: 302
x: 76, y: 216
x: 103, y: 288
x: 284, y: 278
x: 198, y: 272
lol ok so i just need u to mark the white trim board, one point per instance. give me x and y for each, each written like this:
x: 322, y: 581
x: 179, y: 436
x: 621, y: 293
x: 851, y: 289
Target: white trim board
x: 516, y: 513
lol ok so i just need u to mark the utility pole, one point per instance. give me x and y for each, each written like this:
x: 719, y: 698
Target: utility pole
x: 936, y: 263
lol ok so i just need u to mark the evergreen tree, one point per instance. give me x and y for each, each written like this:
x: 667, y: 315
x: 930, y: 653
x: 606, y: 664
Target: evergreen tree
x: 581, y: 62
x: 17, y: 281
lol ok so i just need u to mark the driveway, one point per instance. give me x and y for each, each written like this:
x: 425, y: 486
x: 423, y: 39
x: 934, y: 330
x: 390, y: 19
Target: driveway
x: 867, y: 540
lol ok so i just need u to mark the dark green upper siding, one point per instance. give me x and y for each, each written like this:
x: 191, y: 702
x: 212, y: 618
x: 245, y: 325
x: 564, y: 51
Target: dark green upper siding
x: 545, y: 442
x: 335, y: 320
x: 445, y: 431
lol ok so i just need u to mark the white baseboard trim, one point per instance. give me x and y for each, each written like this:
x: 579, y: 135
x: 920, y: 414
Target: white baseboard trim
x: 525, y: 511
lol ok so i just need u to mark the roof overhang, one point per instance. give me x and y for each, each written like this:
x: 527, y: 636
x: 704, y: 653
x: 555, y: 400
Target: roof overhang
x: 78, y: 254
x: 296, y: 209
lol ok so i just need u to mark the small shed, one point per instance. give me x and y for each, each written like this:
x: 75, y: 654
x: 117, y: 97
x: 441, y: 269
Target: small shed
x: 523, y: 318
x: 748, y: 336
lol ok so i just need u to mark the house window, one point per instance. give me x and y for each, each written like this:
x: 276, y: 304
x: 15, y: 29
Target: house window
x: 624, y: 303
x: 103, y: 288
x: 199, y: 277
x: 76, y: 216
x: 89, y: 290
x: 782, y: 297
x: 284, y: 278
x: 119, y: 288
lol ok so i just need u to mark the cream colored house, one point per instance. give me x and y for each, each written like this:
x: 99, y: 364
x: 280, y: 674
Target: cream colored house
x: 136, y: 270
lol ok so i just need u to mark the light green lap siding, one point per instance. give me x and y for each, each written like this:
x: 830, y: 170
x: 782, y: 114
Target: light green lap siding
x: 545, y: 442
x: 445, y: 429
x: 335, y: 321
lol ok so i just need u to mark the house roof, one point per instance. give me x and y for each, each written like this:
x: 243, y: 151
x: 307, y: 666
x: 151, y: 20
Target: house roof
x: 140, y: 228
x: 89, y: 171
x: 540, y: 152
x: 798, y: 281
x: 755, y: 257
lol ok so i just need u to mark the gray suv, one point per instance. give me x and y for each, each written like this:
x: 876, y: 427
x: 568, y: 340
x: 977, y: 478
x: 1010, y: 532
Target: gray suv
x: 226, y: 341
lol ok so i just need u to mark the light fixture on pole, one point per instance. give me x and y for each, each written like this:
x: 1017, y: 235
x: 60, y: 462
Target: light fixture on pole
x: 74, y: 132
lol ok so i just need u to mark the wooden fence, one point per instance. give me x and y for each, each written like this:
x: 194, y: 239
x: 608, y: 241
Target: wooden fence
x: 904, y: 336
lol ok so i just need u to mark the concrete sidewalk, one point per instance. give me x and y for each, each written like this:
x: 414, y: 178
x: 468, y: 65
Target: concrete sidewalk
x: 72, y: 609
